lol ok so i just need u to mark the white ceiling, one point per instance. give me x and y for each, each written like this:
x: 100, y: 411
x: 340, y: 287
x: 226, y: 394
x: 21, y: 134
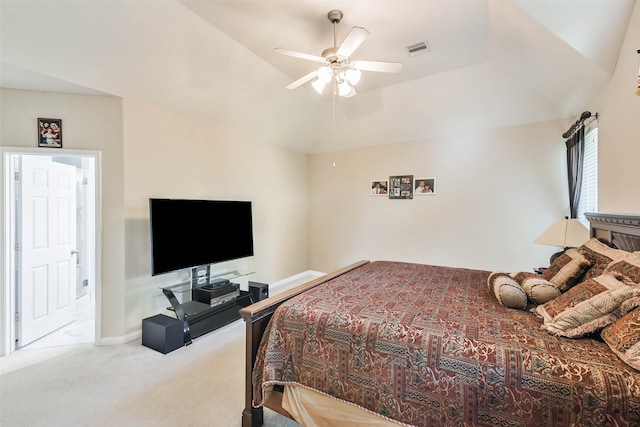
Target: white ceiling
x: 492, y: 63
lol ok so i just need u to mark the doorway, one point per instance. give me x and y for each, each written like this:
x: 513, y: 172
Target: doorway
x: 51, y: 302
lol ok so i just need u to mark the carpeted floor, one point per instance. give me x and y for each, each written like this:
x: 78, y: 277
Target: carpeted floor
x: 129, y: 385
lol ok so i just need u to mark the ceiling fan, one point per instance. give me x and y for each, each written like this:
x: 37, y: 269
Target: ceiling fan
x: 336, y: 65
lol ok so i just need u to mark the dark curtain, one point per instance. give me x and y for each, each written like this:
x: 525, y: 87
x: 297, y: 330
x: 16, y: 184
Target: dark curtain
x: 575, y: 154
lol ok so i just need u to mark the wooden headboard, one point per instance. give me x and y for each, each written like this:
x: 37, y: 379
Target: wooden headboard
x: 621, y: 231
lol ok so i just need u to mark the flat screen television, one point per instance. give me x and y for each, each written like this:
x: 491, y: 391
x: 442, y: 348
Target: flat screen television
x: 190, y: 233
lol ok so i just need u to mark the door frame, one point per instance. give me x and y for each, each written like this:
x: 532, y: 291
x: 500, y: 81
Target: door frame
x: 7, y: 262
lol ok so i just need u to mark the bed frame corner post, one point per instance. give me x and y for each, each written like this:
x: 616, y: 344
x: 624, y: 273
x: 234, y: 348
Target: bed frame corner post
x: 252, y: 417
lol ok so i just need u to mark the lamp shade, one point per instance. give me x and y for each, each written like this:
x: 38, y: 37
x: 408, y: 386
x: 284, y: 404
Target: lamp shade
x: 319, y: 85
x: 566, y: 233
x: 353, y: 76
x: 325, y: 74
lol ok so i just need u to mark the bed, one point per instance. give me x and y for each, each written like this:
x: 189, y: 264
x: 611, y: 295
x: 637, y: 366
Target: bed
x: 411, y: 344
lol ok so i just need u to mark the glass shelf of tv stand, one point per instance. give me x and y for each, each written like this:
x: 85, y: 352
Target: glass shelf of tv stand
x: 218, y: 277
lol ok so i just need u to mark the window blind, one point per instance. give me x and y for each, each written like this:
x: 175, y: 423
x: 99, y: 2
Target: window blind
x: 589, y: 189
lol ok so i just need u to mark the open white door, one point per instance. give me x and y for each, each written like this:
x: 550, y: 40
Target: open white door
x: 47, y: 248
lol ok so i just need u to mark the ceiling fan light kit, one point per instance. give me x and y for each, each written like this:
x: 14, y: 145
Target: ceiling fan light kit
x: 336, y: 67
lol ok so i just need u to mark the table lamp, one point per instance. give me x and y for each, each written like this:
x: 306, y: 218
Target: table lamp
x: 566, y: 233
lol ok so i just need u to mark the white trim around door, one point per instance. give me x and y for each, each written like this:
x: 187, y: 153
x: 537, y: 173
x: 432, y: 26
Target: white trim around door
x: 8, y: 274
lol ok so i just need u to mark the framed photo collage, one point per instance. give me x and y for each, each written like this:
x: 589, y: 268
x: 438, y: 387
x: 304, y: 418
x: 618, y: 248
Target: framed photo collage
x: 403, y: 187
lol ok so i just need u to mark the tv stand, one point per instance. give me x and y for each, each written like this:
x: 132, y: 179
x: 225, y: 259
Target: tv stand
x: 199, y: 318
x: 211, y: 306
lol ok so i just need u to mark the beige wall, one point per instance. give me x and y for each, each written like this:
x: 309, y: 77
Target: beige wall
x: 149, y: 152
x: 167, y: 155
x: 496, y: 192
x: 88, y: 123
x: 618, y: 108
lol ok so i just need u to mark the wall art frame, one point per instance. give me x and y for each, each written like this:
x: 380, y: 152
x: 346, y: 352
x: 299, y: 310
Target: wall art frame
x: 425, y: 186
x: 401, y: 187
x: 379, y: 187
x: 50, y: 133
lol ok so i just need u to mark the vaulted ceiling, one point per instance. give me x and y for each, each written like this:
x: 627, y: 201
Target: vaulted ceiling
x: 491, y: 63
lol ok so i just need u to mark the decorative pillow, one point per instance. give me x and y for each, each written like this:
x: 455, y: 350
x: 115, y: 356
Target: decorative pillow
x: 589, y: 306
x: 507, y: 291
x: 567, y: 269
x: 629, y: 266
x: 600, y: 256
x: 623, y: 338
x: 521, y: 275
x: 539, y: 290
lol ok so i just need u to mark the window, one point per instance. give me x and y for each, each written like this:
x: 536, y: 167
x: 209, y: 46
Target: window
x: 589, y: 190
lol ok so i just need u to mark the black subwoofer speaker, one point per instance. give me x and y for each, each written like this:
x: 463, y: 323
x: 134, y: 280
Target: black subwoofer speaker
x: 162, y: 333
x: 258, y: 291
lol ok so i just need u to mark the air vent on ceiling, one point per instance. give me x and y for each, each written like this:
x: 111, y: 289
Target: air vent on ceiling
x: 418, y: 48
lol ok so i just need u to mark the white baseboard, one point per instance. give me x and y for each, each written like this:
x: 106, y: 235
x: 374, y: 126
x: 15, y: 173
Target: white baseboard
x: 296, y: 279
x: 132, y: 336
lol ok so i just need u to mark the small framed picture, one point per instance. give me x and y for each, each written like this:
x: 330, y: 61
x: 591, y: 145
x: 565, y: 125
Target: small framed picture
x: 50, y: 133
x: 424, y: 186
x: 401, y: 187
x: 379, y: 187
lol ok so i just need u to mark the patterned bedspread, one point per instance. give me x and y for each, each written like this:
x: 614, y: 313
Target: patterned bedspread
x: 430, y: 346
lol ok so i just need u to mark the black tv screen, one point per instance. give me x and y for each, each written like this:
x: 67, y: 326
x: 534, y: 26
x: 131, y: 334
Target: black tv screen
x: 190, y: 233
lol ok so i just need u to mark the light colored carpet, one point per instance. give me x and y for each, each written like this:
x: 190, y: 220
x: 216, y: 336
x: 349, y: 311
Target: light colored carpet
x: 129, y: 385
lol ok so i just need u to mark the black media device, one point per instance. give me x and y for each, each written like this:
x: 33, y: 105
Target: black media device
x: 189, y: 233
x: 258, y: 291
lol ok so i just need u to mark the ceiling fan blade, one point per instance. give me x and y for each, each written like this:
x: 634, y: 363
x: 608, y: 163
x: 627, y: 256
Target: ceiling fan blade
x: 353, y: 41
x: 379, y: 66
x: 299, y: 54
x: 302, y: 80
